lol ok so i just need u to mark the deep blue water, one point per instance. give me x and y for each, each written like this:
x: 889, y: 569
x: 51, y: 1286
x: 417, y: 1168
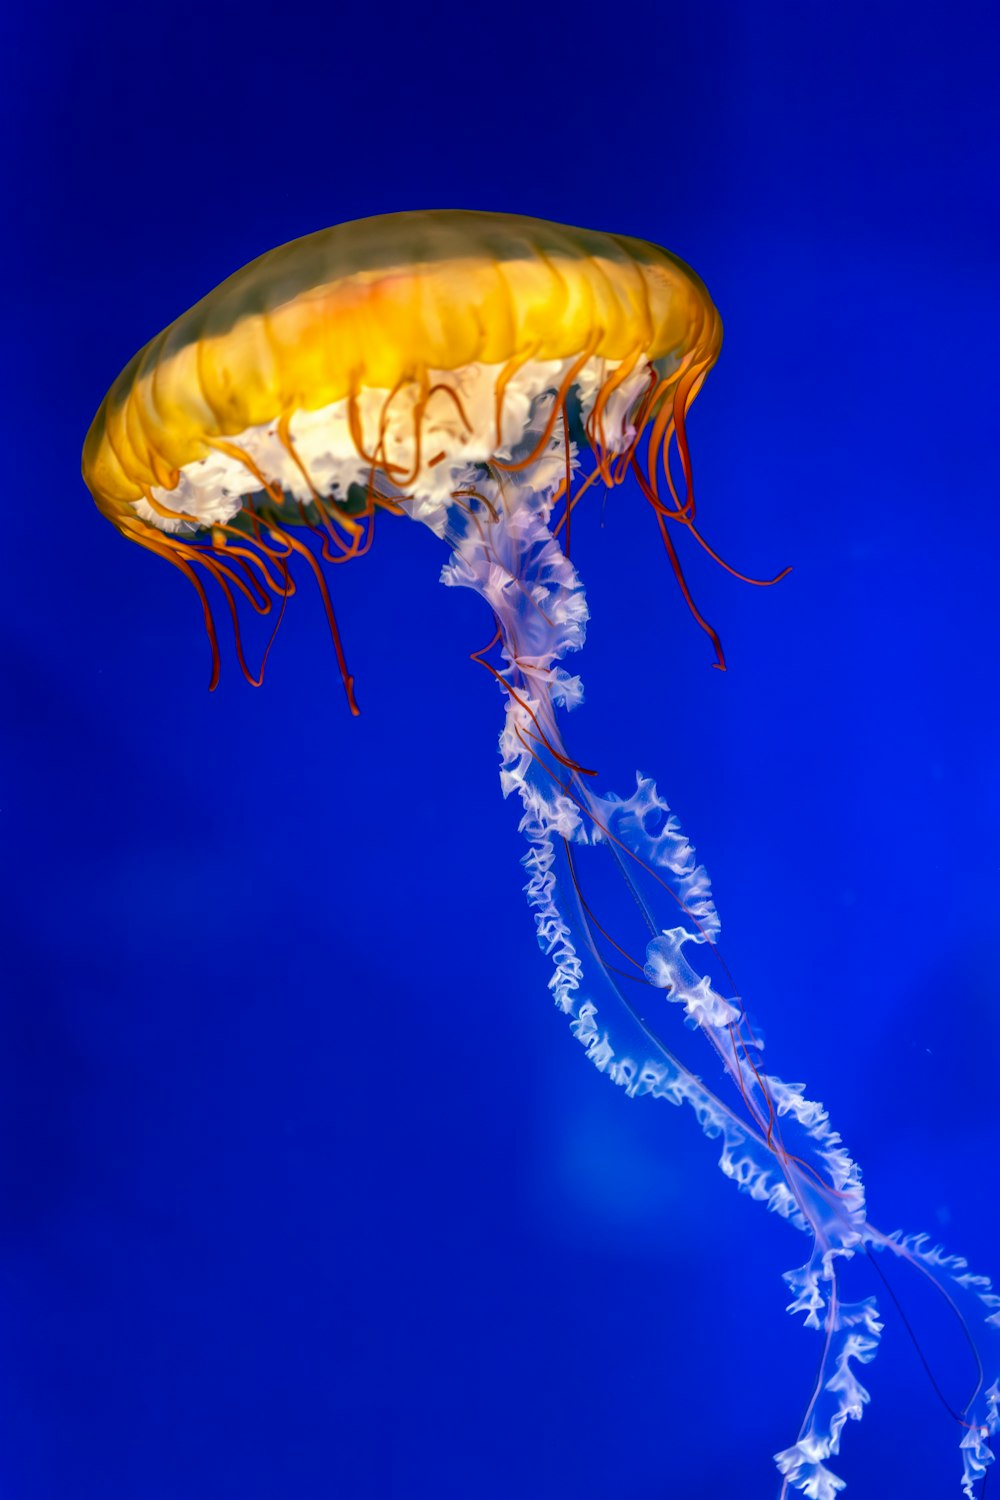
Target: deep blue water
x: 306, y: 1190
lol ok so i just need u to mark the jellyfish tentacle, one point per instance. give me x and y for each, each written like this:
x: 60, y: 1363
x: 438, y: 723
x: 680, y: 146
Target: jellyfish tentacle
x: 281, y: 535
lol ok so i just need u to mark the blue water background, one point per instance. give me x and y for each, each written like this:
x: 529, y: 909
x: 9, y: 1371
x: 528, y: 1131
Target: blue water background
x: 306, y: 1189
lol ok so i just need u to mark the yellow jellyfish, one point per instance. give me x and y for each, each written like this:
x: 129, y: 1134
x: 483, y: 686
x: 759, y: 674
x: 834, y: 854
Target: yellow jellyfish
x: 479, y: 372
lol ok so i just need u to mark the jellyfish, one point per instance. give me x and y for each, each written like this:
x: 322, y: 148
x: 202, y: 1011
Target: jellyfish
x: 479, y: 373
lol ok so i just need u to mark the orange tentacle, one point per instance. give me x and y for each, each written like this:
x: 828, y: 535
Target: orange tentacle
x: 331, y: 617
x: 557, y: 405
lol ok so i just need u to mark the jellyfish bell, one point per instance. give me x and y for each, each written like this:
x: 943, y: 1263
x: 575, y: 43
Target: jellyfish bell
x: 479, y: 373
x: 370, y: 366
x: 361, y: 336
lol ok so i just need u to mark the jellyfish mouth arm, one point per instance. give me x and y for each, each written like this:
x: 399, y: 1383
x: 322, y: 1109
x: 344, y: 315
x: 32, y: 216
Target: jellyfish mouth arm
x: 776, y: 1144
x: 533, y: 590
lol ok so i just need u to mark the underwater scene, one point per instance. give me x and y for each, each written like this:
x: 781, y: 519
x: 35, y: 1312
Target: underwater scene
x: 376, y: 1024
